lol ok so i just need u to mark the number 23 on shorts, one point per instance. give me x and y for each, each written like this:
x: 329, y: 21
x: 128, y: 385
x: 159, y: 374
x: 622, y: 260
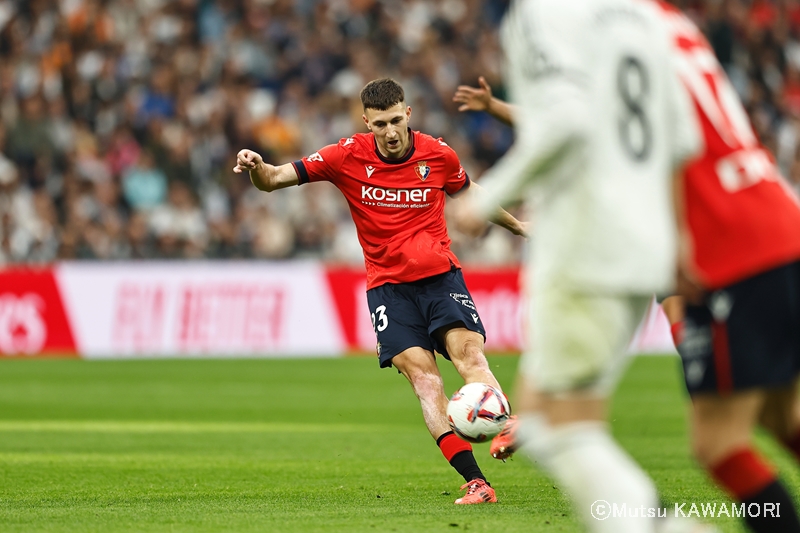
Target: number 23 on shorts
x: 379, y: 319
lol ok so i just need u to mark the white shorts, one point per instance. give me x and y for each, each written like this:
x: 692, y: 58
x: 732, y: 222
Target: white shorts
x: 578, y: 341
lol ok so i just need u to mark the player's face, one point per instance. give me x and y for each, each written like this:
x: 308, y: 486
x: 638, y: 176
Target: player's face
x: 390, y: 128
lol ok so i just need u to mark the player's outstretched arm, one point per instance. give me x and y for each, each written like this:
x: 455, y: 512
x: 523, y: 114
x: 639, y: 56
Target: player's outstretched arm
x: 472, y: 225
x: 481, y: 99
x: 265, y: 176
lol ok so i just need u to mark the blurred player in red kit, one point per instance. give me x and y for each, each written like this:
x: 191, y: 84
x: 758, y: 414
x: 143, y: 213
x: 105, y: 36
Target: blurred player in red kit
x: 740, y: 338
x: 395, y: 181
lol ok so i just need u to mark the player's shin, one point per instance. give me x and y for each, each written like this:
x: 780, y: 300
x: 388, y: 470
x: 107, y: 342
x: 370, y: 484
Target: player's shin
x: 594, y: 471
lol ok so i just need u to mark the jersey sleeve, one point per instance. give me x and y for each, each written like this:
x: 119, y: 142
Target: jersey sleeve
x: 548, y: 78
x: 685, y: 129
x: 456, y: 179
x: 323, y: 165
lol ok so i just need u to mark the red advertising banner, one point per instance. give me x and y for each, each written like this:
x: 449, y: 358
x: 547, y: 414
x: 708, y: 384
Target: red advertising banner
x: 32, y: 316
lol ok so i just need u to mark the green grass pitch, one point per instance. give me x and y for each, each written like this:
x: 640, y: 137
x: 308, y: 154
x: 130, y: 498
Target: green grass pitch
x: 287, y: 446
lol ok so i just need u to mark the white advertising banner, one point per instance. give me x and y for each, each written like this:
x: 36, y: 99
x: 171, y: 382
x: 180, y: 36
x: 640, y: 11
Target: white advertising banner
x: 218, y: 309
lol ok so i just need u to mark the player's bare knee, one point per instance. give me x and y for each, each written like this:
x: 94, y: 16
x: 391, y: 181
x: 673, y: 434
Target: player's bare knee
x: 473, y: 351
x: 472, y: 364
x: 468, y: 354
x: 471, y: 354
x: 462, y: 343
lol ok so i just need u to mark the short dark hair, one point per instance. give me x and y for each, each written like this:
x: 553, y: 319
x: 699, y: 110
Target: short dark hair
x: 381, y: 94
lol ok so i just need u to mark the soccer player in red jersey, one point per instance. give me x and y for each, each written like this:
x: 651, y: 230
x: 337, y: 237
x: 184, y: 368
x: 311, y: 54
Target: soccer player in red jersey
x: 395, y: 180
x: 740, y: 338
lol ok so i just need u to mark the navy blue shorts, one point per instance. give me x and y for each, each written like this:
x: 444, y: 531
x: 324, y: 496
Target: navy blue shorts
x: 405, y: 315
x: 745, y: 336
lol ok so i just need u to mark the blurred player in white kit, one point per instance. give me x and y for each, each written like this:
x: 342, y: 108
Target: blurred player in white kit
x: 602, y: 124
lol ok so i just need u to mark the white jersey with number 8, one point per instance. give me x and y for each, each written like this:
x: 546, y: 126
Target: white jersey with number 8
x: 602, y: 122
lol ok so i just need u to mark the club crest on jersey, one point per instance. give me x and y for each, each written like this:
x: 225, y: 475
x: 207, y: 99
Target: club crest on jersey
x: 423, y: 170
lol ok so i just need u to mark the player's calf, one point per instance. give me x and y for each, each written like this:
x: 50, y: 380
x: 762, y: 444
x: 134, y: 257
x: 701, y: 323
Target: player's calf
x: 465, y: 349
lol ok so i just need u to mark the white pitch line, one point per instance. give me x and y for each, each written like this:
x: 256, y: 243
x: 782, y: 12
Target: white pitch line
x: 102, y: 426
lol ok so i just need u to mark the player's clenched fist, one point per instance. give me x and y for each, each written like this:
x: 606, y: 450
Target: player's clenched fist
x: 264, y: 176
x: 247, y: 160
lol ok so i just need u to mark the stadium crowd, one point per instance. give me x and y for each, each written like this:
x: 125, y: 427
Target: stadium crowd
x: 120, y: 119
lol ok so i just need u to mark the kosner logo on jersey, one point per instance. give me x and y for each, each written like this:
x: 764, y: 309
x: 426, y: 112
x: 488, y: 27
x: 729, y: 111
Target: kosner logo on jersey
x: 394, y: 195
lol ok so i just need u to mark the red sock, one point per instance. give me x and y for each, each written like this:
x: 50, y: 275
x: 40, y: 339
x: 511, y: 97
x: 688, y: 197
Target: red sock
x: 450, y: 445
x: 793, y: 445
x: 677, y: 332
x: 743, y: 474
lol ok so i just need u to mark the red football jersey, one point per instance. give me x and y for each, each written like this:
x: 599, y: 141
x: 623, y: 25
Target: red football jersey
x: 396, y: 204
x: 742, y: 217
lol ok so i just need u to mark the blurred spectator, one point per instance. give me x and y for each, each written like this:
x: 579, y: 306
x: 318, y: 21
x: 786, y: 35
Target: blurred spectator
x: 120, y: 119
x: 178, y: 224
x: 273, y: 237
x: 139, y: 237
x: 144, y: 185
x: 29, y: 139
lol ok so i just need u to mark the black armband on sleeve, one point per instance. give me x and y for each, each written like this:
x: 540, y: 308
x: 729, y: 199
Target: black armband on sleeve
x: 463, y: 187
x: 302, y: 173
